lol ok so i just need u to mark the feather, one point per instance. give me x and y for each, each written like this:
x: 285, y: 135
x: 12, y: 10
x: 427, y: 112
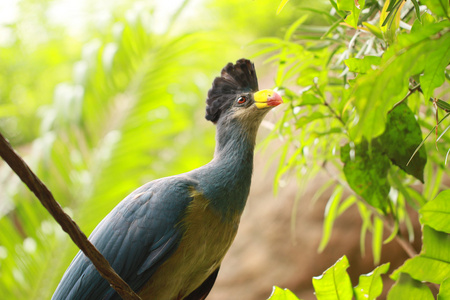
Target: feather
x: 235, y: 79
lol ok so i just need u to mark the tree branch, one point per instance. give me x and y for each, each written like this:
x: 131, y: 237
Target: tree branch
x: 46, y: 198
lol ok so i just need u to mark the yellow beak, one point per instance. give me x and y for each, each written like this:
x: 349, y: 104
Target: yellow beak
x: 267, y: 98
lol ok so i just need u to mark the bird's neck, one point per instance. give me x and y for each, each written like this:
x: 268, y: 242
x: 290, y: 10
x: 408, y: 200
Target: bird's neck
x: 229, y: 173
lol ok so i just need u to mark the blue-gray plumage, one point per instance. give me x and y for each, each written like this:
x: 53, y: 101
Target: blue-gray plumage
x: 167, y: 239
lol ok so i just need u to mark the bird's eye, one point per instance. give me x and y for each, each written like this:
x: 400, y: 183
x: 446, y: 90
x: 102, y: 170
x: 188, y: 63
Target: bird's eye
x: 241, y: 100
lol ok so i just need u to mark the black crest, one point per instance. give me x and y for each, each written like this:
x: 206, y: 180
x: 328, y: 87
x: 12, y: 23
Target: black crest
x: 234, y: 79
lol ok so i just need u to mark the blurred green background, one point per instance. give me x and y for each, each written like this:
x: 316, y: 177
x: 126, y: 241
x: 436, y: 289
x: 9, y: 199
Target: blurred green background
x: 100, y: 97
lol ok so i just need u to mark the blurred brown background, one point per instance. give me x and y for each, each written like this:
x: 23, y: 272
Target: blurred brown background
x: 267, y: 252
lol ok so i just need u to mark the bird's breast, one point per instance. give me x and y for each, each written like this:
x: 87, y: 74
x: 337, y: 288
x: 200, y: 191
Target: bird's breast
x: 207, y: 237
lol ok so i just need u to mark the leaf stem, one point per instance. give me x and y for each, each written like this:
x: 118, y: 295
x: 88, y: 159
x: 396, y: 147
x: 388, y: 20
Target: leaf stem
x: 410, y: 92
x: 328, y: 105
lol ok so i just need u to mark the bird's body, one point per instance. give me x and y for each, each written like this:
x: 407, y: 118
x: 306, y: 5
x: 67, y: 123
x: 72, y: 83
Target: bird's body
x: 168, y: 238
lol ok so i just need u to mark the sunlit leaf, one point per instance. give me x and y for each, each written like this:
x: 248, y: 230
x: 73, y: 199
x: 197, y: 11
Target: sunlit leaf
x: 330, y: 216
x: 438, y: 7
x: 281, y: 6
x: 390, y: 19
x: 376, y: 92
x: 436, y: 213
x: 433, y: 75
x: 444, y: 290
x: 426, y: 20
x: 362, y: 65
x: 294, y: 27
x: 433, y: 263
x: 377, y: 239
x: 370, y: 285
x: 375, y: 30
x: 347, y: 203
x: 304, y: 120
x: 334, y: 283
x: 310, y: 99
x: 355, y: 7
x: 407, y: 288
x: 366, y: 217
x: 282, y: 294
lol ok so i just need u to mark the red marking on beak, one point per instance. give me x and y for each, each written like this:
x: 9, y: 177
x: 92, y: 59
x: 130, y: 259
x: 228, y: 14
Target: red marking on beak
x: 274, y: 100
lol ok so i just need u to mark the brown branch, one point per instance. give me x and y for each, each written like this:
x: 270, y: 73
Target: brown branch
x: 46, y: 198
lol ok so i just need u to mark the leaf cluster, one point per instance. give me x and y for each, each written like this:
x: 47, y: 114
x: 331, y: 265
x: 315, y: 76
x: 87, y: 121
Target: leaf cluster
x: 432, y: 265
x: 362, y: 91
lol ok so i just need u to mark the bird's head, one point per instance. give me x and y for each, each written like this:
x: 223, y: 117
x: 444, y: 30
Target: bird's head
x: 235, y: 95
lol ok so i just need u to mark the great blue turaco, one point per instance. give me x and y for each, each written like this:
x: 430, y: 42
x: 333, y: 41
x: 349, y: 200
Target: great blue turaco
x: 167, y: 239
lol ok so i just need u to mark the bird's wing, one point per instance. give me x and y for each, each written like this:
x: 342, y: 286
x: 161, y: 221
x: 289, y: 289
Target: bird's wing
x: 203, y: 290
x: 136, y: 238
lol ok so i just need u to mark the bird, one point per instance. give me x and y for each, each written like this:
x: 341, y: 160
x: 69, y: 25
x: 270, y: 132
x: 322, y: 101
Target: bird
x: 167, y: 239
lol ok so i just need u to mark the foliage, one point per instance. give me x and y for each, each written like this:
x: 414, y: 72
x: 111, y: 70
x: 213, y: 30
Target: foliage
x: 361, y: 91
x: 432, y: 265
x: 99, y: 115
x: 107, y: 113
x: 282, y: 294
x: 335, y: 283
x: 99, y: 112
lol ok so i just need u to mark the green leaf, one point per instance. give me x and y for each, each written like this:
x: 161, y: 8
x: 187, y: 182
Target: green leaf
x: 370, y: 285
x: 407, y: 288
x: 366, y: 218
x: 390, y: 19
x: 294, y: 27
x: 366, y: 173
x: 426, y: 19
x: 438, y: 7
x: 331, y: 210
x: 355, y: 7
x: 426, y: 137
x: 436, y: 244
x: 433, y: 263
x: 361, y: 66
x: 334, y: 283
x: 281, y: 6
x: 401, y: 138
x: 309, y: 99
x: 282, y: 294
x: 347, y: 203
x: 302, y: 121
x: 434, y: 73
x: 436, y: 213
x: 444, y: 290
x: 375, y: 30
x: 417, y: 8
x: 377, y: 239
x: 376, y: 92
x: 425, y: 269
x: 442, y: 105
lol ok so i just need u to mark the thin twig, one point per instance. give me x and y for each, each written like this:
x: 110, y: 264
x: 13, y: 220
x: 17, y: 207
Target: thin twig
x: 338, y: 117
x: 19, y: 166
x: 411, y: 90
